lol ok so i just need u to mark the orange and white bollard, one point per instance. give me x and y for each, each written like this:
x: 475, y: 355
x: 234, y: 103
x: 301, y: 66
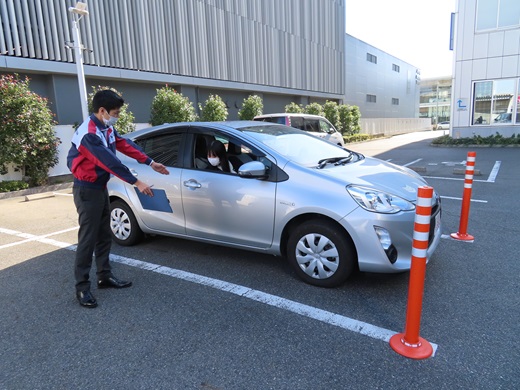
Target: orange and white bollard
x: 462, y: 234
x: 409, y: 343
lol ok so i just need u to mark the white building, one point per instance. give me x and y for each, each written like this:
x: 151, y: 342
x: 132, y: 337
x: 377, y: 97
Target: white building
x: 486, y: 78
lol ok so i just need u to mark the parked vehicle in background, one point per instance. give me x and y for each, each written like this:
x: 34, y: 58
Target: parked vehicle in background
x: 328, y: 210
x: 314, y: 124
x: 443, y: 126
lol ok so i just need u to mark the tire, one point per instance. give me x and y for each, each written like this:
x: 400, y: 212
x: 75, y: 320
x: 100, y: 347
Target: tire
x: 123, y: 225
x: 307, y: 246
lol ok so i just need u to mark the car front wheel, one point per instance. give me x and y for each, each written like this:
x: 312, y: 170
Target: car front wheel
x: 123, y: 225
x: 321, y: 253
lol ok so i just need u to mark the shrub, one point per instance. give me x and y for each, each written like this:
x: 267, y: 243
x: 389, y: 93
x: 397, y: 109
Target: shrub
x: 214, y: 109
x: 169, y: 106
x: 358, y: 138
x: 496, y: 139
x: 349, y: 119
x: 331, y: 112
x: 125, y: 123
x: 314, y: 109
x: 27, y: 136
x: 294, y: 108
x: 251, y: 107
x: 13, y: 185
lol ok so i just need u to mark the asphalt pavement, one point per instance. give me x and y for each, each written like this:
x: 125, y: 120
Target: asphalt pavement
x: 206, y: 317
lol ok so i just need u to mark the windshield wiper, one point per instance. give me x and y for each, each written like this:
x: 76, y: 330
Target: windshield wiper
x: 335, y: 160
x: 358, y: 155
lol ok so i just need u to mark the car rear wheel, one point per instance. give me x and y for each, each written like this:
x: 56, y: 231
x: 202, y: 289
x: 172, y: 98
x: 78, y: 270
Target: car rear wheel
x: 123, y: 225
x: 321, y: 253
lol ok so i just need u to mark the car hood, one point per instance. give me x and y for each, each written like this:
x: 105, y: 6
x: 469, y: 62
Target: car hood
x: 378, y: 174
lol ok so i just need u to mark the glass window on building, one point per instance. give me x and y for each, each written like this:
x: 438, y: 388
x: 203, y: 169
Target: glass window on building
x: 518, y: 104
x: 482, y: 102
x: 494, y: 102
x: 493, y: 14
x: 371, y: 99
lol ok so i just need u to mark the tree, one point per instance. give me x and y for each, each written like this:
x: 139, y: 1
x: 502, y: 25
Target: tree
x: 314, y: 109
x: 251, y: 107
x: 169, y: 106
x: 214, y: 109
x: 27, y: 137
x: 293, y: 108
x: 125, y: 123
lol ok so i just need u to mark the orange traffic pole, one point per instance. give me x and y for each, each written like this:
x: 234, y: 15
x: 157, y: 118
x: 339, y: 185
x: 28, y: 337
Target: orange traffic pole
x: 462, y: 234
x: 409, y: 343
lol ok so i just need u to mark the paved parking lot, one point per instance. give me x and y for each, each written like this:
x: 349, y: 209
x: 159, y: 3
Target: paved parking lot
x: 205, y: 317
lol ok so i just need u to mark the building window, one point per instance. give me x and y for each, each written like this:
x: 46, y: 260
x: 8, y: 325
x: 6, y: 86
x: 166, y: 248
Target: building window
x: 494, y: 102
x: 494, y: 14
x: 396, y: 68
x: 371, y: 98
x: 395, y: 101
x: 371, y: 58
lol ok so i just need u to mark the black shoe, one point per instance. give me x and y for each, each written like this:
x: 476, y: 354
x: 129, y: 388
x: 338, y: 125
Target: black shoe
x: 113, y: 282
x: 86, y: 299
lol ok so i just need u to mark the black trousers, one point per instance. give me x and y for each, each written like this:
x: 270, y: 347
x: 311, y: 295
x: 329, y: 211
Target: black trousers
x: 93, y: 236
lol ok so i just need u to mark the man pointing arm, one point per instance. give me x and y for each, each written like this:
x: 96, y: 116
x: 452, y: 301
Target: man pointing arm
x: 92, y: 159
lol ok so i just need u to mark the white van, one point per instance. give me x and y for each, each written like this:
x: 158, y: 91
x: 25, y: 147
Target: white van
x: 314, y: 124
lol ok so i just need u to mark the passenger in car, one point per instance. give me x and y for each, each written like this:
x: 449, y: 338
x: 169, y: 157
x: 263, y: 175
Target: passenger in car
x: 217, y: 157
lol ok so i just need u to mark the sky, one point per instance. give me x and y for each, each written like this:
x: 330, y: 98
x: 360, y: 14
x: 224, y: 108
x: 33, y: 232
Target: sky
x: 415, y: 31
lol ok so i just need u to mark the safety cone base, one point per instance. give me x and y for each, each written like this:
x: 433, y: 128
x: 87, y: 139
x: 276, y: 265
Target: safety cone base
x: 422, y: 350
x: 461, y: 236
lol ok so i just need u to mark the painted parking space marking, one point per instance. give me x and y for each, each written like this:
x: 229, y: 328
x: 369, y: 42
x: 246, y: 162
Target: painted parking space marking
x: 324, y: 316
x: 412, y: 162
x: 471, y: 200
x: 494, y: 172
x: 30, y: 237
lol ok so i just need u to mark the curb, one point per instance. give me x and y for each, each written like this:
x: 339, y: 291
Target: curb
x: 473, y: 146
x: 35, y: 190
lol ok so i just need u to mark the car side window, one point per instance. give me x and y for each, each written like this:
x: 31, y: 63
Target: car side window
x: 162, y: 148
x: 325, y: 127
x: 312, y: 125
x: 297, y: 122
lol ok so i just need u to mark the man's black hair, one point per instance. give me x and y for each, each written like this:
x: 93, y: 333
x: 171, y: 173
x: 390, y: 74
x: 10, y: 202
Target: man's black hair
x: 107, y: 99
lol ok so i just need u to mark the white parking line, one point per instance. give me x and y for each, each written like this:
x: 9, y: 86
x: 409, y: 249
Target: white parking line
x: 494, y: 172
x: 471, y: 200
x: 454, y: 178
x: 30, y: 237
x: 324, y: 316
x: 413, y: 162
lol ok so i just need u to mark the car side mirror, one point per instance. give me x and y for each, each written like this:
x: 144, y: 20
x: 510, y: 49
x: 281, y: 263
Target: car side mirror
x: 252, y: 170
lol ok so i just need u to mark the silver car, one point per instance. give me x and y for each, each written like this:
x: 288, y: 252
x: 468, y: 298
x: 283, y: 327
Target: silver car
x: 328, y: 210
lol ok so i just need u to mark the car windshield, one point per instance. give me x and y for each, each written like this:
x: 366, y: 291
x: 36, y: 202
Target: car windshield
x: 296, y: 145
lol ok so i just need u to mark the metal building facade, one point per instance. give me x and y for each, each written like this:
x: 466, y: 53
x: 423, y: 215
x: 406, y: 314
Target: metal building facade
x: 292, y: 49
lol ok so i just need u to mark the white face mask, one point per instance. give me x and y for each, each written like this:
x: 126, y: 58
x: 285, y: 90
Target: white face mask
x: 214, y: 161
x: 111, y: 121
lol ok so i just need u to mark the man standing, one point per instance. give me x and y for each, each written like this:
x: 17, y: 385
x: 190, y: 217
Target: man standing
x: 92, y: 159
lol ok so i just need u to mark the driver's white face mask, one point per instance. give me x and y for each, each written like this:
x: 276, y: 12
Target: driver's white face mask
x: 214, y: 161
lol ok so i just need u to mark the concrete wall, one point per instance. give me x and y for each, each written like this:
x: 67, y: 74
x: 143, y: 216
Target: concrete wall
x: 390, y: 126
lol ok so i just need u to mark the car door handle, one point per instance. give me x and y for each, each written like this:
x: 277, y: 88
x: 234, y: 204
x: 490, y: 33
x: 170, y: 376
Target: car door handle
x: 134, y: 172
x: 192, y: 184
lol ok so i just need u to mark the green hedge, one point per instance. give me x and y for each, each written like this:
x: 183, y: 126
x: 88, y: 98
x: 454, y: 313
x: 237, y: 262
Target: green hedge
x: 13, y: 185
x: 496, y: 139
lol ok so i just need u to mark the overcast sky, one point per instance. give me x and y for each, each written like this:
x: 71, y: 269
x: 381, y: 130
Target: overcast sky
x: 415, y: 31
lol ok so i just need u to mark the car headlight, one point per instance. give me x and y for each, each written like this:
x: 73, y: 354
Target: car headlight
x: 379, y: 201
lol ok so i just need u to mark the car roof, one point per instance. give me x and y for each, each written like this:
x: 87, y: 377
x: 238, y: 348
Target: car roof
x: 289, y: 114
x: 237, y: 125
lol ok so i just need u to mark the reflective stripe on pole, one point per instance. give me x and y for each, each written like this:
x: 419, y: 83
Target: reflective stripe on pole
x: 462, y: 234
x: 409, y: 343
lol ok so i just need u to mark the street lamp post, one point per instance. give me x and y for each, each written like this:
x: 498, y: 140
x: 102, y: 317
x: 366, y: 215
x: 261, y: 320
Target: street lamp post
x: 78, y: 12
